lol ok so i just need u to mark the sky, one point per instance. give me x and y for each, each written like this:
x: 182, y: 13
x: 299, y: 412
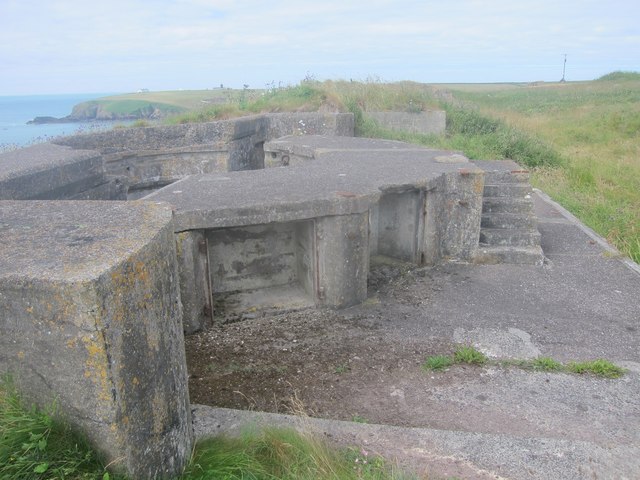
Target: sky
x: 83, y: 46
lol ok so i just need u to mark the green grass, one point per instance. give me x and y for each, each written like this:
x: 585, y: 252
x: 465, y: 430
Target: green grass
x: 342, y: 368
x: 34, y: 446
x: 437, y: 362
x: 284, y: 454
x: 359, y: 419
x: 546, y: 364
x: 469, y: 355
x: 600, y: 367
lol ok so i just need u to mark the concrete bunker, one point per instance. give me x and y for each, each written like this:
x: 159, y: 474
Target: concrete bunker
x: 290, y: 237
x: 138, y: 274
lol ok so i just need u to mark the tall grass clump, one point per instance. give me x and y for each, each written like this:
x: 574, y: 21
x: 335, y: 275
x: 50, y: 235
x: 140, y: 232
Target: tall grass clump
x: 283, y: 454
x: 33, y: 445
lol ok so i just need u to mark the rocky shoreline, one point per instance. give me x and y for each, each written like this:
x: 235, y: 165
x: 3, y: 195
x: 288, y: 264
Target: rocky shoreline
x: 109, y: 111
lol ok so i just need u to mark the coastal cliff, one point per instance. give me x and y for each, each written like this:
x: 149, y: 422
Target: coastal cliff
x: 105, y: 110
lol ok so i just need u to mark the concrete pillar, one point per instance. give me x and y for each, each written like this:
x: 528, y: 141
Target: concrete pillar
x: 195, y: 291
x: 90, y: 319
x: 342, y: 245
x: 453, y: 212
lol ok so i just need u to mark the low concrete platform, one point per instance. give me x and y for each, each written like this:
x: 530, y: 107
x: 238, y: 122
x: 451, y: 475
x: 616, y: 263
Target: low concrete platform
x: 506, y: 422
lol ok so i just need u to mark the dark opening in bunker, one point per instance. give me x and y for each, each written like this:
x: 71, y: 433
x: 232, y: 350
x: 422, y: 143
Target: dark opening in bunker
x: 261, y: 267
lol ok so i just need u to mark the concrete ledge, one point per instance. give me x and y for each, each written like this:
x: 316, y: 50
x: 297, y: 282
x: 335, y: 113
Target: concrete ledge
x: 48, y: 172
x: 91, y: 318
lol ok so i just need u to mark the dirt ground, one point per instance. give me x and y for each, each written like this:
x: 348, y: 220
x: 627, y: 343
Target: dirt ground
x: 332, y: 364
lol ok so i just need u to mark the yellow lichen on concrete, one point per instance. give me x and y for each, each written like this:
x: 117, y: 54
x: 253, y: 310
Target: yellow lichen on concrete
x: 160, y: 413
x: 478, y: 184
x: 96, y: 365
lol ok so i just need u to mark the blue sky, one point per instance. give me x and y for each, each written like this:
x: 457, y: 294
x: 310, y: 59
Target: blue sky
x: 77, y: 46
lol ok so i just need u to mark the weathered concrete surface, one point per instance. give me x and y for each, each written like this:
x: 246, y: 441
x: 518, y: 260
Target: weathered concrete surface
x: 343, y: 259
x: 90, y: 318
x: 356, y: 193
x: 292, y: 150
x: 160, y: 155
x: 427, y: 122
x: 193, y: 268
x: 353, y: 174
x: 48, y: 172
x: 493, y: 422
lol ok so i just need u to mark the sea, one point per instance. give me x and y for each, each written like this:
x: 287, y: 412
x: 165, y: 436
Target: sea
x: 16, y: 111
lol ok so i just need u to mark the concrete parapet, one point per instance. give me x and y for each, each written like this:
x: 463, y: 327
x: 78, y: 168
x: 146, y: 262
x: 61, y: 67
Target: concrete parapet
x: 48, y: 172
x: 429, y: 122
x: 158, y: 155
x: 90, y: 318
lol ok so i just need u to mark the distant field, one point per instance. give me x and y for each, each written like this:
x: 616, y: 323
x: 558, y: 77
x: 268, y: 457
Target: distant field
x: 184, y: 99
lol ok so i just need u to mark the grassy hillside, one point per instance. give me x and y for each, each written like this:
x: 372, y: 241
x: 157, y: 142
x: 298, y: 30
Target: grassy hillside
x: 153, y: 104
x: 595, y: 128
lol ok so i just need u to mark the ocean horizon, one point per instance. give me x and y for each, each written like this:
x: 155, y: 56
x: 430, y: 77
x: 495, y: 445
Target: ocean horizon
x: 17, y: 110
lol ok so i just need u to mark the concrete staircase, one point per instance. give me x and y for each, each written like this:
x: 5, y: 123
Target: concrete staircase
x: 508, y: 232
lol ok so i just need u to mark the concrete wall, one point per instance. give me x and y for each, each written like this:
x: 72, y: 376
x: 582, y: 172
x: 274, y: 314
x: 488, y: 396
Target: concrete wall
x: 159, y: 155
x: 428, y: 122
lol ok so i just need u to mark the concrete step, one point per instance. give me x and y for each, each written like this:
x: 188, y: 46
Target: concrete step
x: 500, y: 177
x: 507, y: 205
x: 487, y: 254
x: 509, y: 237
x: 509, y: 220
x: 518, y: 190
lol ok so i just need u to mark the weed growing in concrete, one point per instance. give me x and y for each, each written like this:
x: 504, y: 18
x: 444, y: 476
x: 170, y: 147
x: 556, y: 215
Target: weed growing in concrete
x: 468, y: 354
x: 600, y: 367
x: 437, y: 362
x: 342, y: 368
x: 359, y: 419
x: 546, y: 364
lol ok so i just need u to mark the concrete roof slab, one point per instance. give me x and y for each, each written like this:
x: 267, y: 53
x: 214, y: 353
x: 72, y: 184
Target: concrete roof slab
x: 345, y: 181
x: 71, y: 241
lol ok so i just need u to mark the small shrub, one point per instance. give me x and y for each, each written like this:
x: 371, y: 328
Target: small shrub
x: 468, y: 354
x: 141, y: 124
x: 437, y: 362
